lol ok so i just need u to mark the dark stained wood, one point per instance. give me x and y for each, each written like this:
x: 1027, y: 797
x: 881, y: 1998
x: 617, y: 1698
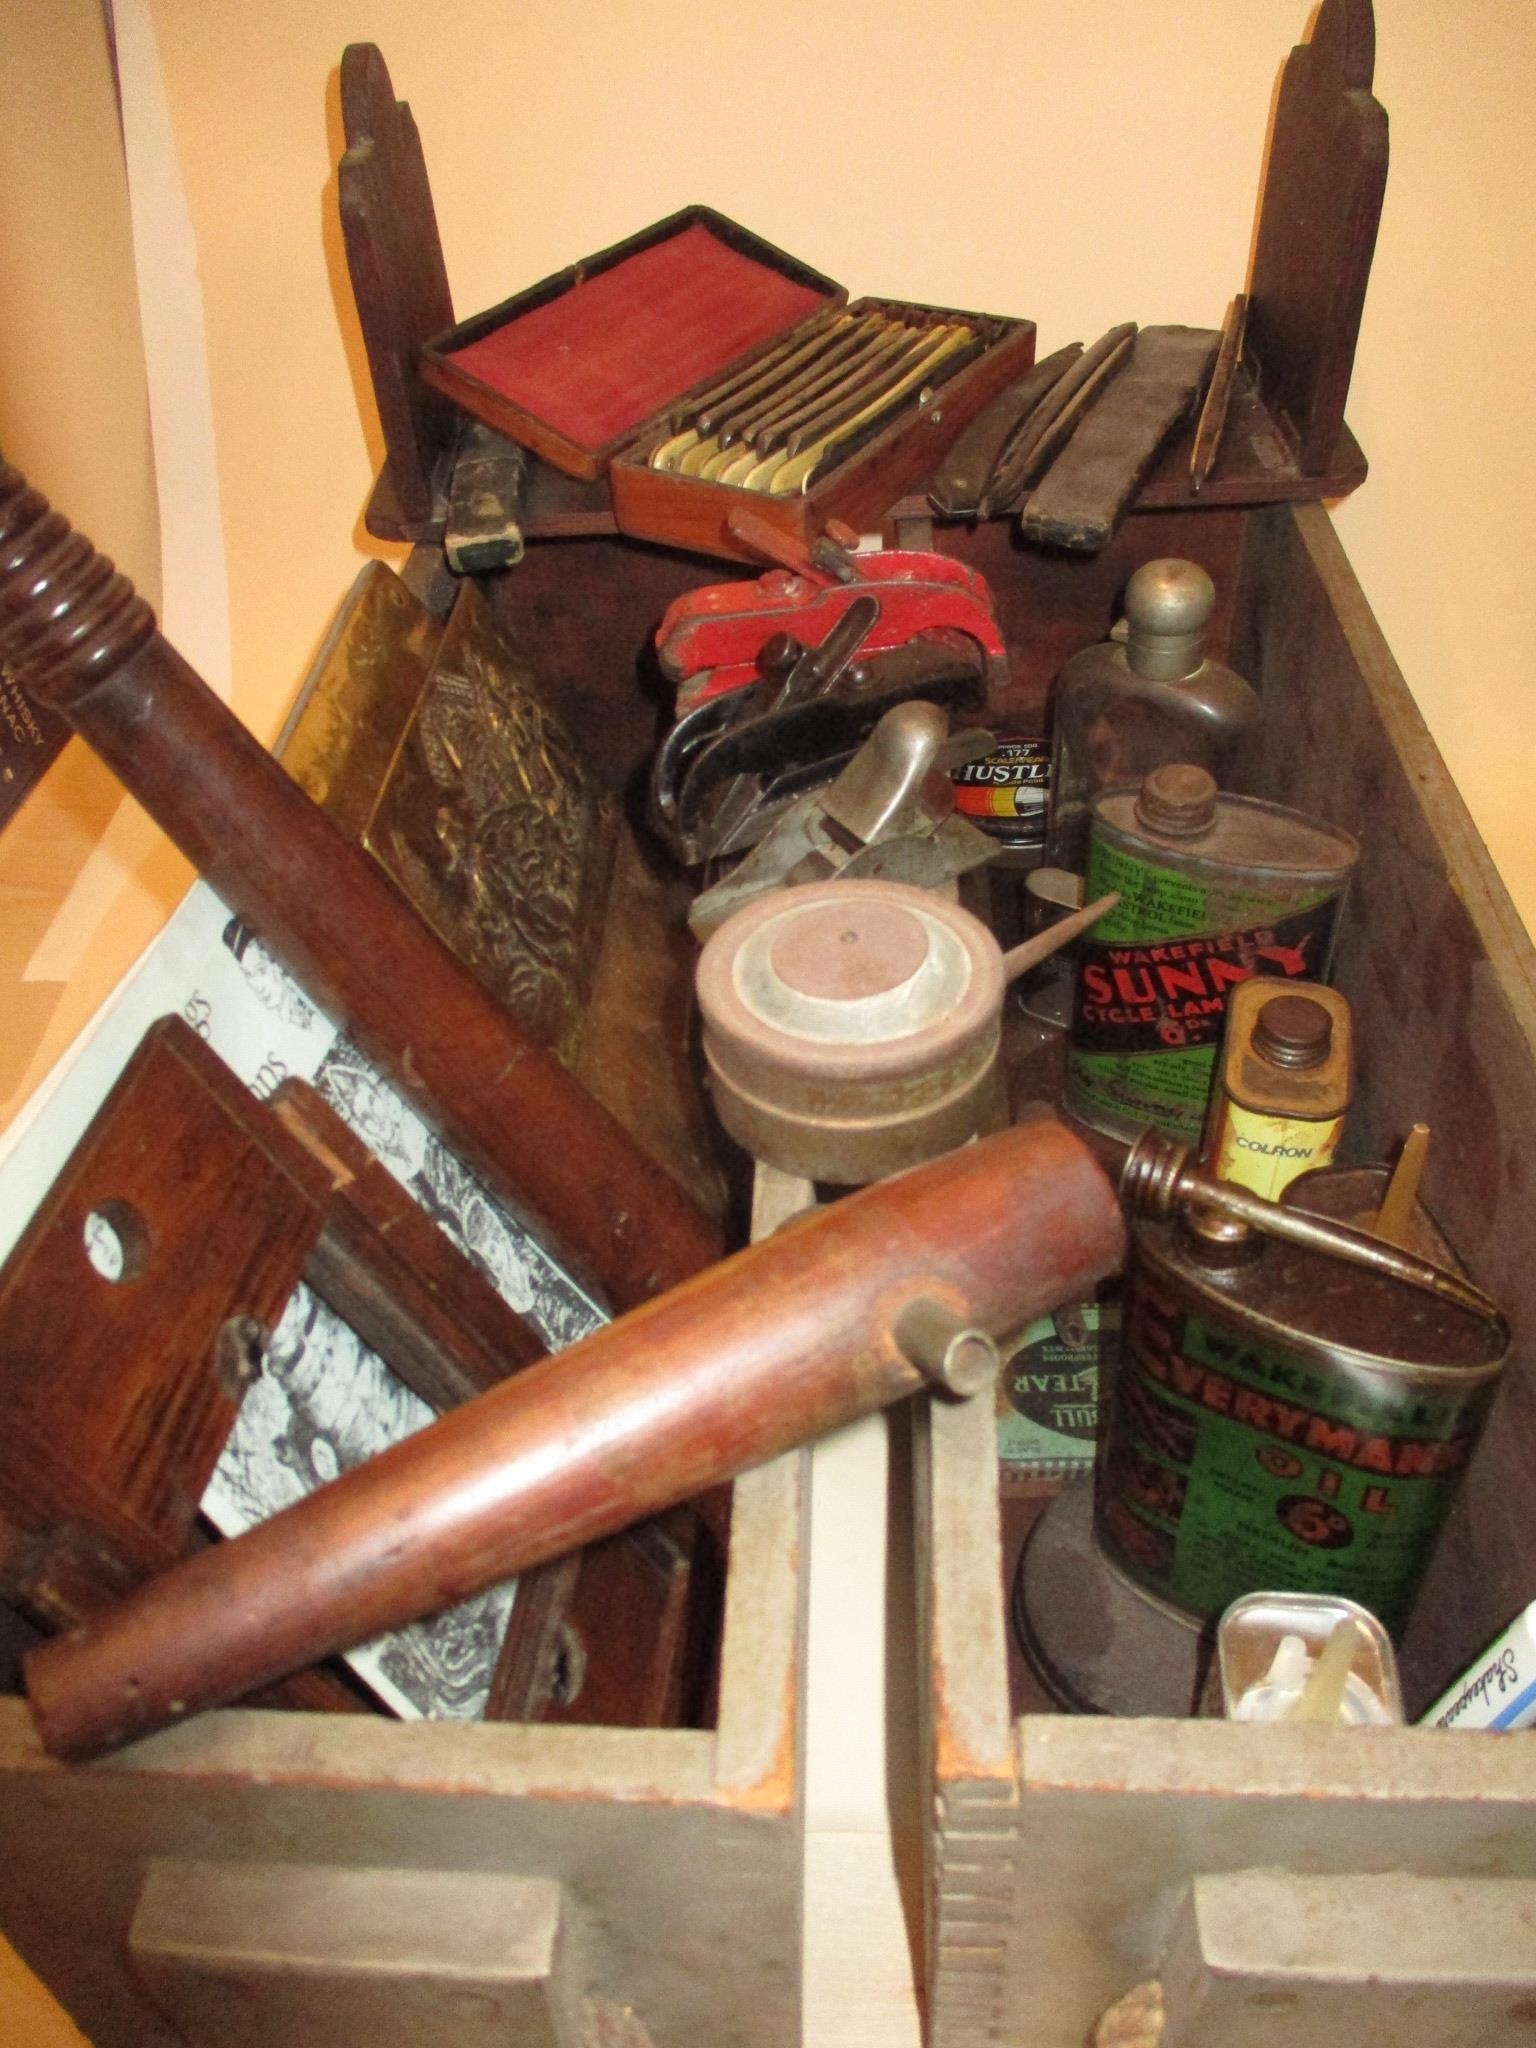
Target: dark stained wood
x: 1052, y: 605
x: 1217, y: 403
x: 1442, y: 979
x: 1318, y: 216
x: 585, y: 614
x: 616, y: 1637
x: 229, y: 1201
x: 1054, y: 420
x: 1286, y: 438
x: 115, y: 1411
x: 962, y: 476
x: 399, y: 284
x: 393, y: 1276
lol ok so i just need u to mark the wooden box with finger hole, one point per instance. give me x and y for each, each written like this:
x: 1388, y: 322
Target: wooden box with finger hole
x: 625, y: 1794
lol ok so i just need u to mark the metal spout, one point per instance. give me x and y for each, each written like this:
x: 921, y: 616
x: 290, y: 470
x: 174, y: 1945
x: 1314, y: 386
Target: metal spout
x: 1159, y: 1179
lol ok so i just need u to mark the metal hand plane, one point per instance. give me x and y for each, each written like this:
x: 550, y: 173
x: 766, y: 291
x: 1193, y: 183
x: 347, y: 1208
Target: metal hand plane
x: 710, y: 640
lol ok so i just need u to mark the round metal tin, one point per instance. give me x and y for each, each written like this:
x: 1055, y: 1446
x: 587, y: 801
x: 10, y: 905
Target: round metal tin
x: 851, y: 1028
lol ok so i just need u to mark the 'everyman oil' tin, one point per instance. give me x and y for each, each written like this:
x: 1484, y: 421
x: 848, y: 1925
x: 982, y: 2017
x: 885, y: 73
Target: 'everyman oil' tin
x: 1214, y: 890
x: 1284, y: 1417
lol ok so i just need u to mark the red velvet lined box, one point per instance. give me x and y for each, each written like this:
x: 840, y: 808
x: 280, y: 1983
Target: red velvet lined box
x: 592, y: 368
x: 579, y: 365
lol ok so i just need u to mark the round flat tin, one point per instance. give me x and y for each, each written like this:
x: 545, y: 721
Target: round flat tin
x: 851, y: 1028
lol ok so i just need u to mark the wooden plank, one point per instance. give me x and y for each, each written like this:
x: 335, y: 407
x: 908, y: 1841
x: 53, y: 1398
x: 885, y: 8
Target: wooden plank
x: 1318, y: 215
x: 660, y: 1863
x: 263, y: 1955
x: 1442, y: 977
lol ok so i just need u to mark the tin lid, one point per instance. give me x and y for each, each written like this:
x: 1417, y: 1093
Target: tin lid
x: 1178, y: 800
x: 1293, y: 1031
x: 848, y: 979
x: 1246, y: 833
x: 1287, y: 1049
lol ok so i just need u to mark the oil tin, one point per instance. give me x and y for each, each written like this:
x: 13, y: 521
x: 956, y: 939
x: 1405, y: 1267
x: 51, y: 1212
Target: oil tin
x: 1215, y: 890
x: 1282, y: 1085
x: 1283, y: 1418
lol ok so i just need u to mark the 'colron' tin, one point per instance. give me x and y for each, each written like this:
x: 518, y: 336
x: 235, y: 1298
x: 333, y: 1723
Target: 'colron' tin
x: 1282, y: 1417
x: 1214, y: 891
x: 1282, y: 1085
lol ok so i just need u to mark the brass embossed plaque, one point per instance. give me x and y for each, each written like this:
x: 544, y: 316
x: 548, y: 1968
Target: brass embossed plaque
x: 359, y: 696
x: 492, y: 826
x: 433, y: 746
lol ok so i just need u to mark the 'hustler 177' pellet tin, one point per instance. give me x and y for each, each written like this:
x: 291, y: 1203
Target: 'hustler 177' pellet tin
x: 1214, y: 891
x: 1284, y: 1418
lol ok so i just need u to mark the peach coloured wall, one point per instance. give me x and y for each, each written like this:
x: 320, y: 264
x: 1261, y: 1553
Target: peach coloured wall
x: 74, y: 416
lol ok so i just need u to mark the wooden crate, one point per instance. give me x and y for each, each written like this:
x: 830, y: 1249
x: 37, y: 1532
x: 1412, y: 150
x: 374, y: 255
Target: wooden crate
x: 1073, y: 1858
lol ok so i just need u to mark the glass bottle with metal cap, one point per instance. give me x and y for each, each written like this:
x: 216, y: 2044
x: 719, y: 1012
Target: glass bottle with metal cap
x: 1147, y: 695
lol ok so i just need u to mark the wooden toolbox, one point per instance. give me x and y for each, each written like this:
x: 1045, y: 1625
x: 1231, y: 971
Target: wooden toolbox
x: 249, y: 1869
x: 1277, y: 1885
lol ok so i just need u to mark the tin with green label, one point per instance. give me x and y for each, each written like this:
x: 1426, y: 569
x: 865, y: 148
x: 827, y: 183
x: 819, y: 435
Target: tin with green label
x: 1284, y: 1417
x: 1214, y: 890
x: 1048, y: 1393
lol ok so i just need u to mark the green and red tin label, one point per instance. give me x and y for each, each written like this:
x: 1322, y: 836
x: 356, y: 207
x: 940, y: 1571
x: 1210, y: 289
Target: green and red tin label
x: 1234, y: 1465
x: 1154, y: 975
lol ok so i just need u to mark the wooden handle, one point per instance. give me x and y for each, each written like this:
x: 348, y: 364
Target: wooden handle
x: 789, y: 1339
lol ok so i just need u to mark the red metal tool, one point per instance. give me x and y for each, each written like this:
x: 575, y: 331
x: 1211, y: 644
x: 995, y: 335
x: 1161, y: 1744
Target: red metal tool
x: 710, y: 639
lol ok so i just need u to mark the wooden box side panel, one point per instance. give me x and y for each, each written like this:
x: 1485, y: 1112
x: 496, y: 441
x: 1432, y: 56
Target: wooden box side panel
x: 671, y: 1845
x: 1442, y: 979
x: 760, y: 1732
x: 971, y: 1843
x: 655, y: 1880
x: 1116, y: 1818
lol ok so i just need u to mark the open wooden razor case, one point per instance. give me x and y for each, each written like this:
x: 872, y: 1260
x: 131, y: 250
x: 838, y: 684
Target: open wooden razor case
x: 616, y: 359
